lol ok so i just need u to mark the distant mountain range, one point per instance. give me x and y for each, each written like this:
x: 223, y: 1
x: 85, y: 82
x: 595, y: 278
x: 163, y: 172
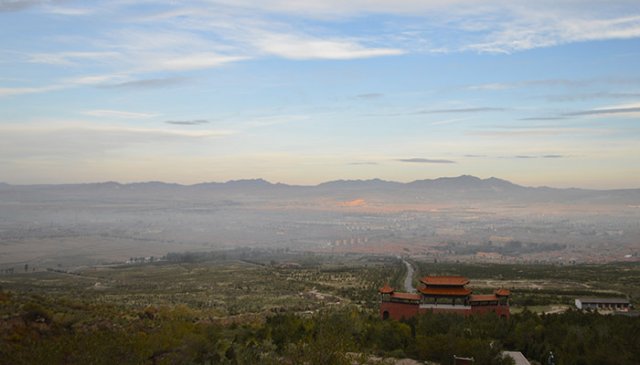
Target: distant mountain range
x: 461, y: 188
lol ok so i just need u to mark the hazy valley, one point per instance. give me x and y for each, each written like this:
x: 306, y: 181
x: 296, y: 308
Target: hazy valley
x: 462, y: 218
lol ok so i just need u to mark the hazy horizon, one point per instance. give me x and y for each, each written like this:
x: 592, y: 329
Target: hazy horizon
x: 310, y: 184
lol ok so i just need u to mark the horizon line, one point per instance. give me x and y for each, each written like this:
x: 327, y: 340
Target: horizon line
x: 259, y: 179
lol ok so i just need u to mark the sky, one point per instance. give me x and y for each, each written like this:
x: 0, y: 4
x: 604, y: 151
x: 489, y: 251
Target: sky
x: 302, y: 92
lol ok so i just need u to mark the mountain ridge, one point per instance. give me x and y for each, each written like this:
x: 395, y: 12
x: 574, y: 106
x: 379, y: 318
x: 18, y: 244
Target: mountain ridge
x: 462, y: 189
x: 462, y: 181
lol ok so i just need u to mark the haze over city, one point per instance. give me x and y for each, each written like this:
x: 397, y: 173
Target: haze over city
x: 538, y: 93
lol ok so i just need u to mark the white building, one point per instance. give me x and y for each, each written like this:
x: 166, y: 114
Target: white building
x: 603, y: 304
x: 517, y: 357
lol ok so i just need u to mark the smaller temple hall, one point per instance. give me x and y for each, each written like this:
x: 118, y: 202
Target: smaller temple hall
x: 438, y: 294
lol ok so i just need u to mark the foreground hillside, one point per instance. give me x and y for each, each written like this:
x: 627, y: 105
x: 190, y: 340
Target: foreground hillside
x: 292, y: 309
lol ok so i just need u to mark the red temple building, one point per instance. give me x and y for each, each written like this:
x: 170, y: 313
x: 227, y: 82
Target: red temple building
x: 442, y: 294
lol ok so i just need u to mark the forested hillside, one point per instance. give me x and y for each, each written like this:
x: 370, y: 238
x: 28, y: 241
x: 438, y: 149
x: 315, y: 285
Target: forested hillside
x: 308, y: 309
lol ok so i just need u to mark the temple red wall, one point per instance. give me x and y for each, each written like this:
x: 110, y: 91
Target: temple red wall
x: 462, y: 311
x: 398, y: 311
x: 500, y: 310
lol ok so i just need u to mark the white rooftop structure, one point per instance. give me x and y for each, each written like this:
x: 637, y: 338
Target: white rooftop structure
x: 517, y: 356
x: 613, y: 304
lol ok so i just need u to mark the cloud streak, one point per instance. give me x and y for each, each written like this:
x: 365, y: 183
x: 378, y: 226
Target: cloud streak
x: 462, y: 110
x: 306, y: 47
x: 545, y: 28
x: 565, y: 83
x: 535, y: 132
x: 365, y: 163
x: 474, y: 156
x: 623, y: 110
x: 543, y: 118
x: 525, y: 157
x: 604, y: 111
x: 72, y: 57
x: 187, y: 62
x: 11, y: 91
x: 425, y: 160
x: 105, y: 113
x: 369, y: 96
x: 71, y: 143
x: 591, y: 96
x: 156, y: 83
x: 17, y: 5
x: 187, y: 122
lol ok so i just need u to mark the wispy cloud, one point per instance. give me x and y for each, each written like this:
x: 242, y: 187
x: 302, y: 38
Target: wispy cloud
x: 186, y: 62
x: 188, y: 122
x: 135, y: 51
x: 67, y: 83
x: 525, y: 157
x: 470, y: 110
x: 179, y: 38
x: 521, y: 157
x: 564, y: 83
x: 71, y: 142
x: 491, y: 86
x: 106, y: 113
x: 72, y: 57
x: 17, y: 5
x: 605, y: 111
x: 449, y: 121
x: 370, y: 96
x: 543, y: 118
x: 461, y: 110
x: 155, y: 83
x: 9, y: 91
x: 591, y: 96
x: 271, y: 120
x: 495, y: 26
x: 622, y: 110
x: 67, y: 11
x: 307, y: 47
x: 546, y: 28
x: 48, y: 6
x: 535, y: 132
x: 93, y: 79
x: 364, y: 163
x: 424, y: 160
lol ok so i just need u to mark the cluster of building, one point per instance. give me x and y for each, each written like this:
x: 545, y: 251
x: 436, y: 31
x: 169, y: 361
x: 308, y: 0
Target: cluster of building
x: 442, y: 294
x: 449, y: 294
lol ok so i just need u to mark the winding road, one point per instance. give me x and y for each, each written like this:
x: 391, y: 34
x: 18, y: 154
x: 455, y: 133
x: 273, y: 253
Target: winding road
x: 408, y: 280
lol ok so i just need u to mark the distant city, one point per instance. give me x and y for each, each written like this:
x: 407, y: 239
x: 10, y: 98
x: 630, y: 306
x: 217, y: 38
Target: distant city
x: 462, y: 218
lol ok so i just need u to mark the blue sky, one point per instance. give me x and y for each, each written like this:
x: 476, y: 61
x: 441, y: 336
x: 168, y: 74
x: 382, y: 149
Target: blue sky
x: 540, y: 93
